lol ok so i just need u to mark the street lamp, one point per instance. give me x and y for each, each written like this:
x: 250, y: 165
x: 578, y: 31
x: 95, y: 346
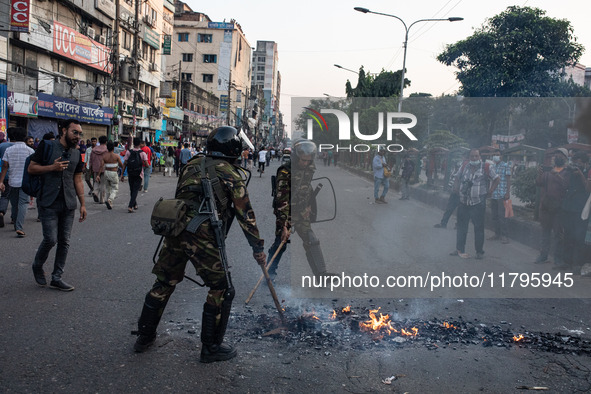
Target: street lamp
x: 367, y: 11
x: 348, y: 69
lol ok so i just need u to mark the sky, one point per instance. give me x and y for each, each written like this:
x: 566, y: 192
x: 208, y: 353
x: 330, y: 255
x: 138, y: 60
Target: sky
x: 312, y: 36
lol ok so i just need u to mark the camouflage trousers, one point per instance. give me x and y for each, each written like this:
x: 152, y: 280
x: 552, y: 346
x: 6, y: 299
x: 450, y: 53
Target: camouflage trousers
x: 201, y: 250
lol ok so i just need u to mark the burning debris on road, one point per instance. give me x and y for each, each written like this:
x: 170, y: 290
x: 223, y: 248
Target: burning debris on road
x: 344, y: 327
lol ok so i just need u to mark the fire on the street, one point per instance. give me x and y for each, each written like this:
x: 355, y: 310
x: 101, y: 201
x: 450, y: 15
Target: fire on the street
x: 517, y: 339
x: 384, y: 324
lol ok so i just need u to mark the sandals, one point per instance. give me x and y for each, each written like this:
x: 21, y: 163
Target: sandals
x: 460, y: 254
x: 20, y: 233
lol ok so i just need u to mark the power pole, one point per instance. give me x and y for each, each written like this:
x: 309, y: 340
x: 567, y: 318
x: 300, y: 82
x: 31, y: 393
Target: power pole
x: 179, y: 102
x: 116, y: 68
x: 136, y: 57
x: 229, y: 113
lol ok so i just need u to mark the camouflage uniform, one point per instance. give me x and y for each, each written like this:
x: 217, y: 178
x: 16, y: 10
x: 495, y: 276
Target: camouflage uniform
x: 297, y: 212
x: 201, y: 248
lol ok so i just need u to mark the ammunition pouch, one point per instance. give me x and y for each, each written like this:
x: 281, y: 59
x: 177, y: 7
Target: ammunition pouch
x: 169, y: 217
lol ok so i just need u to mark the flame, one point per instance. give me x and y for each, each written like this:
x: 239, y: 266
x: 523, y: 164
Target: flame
x: 315, y: 317
x: 347, y: 309
x: 412, y: 333
x: 519, y: 338
x: 383, y: 323
x: 447, y: 325
x: 333, y: 314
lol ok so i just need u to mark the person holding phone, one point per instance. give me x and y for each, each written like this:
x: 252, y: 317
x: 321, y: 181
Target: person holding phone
x: 62, y: 183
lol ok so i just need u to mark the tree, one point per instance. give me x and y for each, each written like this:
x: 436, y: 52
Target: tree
x: 384, y: 84
x: 518, y: 53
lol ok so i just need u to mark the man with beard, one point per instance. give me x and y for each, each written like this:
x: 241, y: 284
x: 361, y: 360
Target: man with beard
x: 62, y: 183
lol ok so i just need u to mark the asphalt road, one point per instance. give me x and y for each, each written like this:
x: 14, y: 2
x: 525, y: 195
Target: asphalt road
x: 80, y: 341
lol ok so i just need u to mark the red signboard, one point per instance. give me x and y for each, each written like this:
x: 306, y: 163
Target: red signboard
x: 19, y: 15
x: 80, y: 48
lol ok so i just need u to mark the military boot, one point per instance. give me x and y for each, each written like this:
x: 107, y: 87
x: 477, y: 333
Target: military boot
x: 147, y: 323
x: 212, y: 335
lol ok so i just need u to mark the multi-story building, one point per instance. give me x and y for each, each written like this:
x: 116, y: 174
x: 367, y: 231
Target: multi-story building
x: 58, y: 66
x: 141, y: 65
x: 214, y: 56
x: 265, y: 73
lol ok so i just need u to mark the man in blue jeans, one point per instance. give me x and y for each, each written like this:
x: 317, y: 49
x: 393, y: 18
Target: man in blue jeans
x: 62, y: 183
x: 378, y: 165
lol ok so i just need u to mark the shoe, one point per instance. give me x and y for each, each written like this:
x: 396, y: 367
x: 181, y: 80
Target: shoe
x: 1, y: 219
x: 494, y: 238
x: 460, y: 254
x: 542, y: 260
x: 143, y: 342
x: 129, y: 210
x: 439, y: 225
x: 39, y: 276
x: 479, y: 256
x: 60, y: 285
x: 383, y: 200
x: 95, y: 197
x: 212, y: 353
x: 108, y: 204
x: 90, y: 193
x: 20, y: 233
x: 135, y: 207
x: 505, y: 240
x: 378, y: 201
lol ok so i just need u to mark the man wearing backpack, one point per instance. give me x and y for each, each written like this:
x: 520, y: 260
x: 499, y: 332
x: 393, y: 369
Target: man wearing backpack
x: 135, y: 161
x: 472, y: 183
x: 13, y: 162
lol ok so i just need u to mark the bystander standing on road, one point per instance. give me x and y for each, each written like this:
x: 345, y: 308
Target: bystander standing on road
x: 169, y: 161
x: 110, y: 163
x: 147, y: 169
x: 553, y: 183
x: 475, y: 182
x: 13, y: 161
x: 62, y: 182
x: 501, y: 194
x: 6, y: 192
x: 379, y: 176
x: 262, y: 160
x: 185, y: 155
x: 452, y: 201
x: 408, y: 168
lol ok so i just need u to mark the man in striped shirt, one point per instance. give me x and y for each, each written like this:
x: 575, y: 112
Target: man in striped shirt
x: 13, y: 164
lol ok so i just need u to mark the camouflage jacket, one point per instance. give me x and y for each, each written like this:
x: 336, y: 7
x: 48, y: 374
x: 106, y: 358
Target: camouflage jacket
x: 235, y: 202
x: 302, y: 194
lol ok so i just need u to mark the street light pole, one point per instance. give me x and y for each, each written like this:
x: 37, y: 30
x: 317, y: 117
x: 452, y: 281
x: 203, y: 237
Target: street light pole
x: 367, y: 11
x: 344, y: 68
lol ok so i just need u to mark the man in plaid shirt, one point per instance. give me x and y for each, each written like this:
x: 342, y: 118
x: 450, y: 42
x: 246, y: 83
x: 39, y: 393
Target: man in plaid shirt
x: 500, y: 194
x: 472, y: 182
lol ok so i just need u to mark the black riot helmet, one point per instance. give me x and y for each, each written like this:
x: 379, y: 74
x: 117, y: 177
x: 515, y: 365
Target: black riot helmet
x: 224, y: 142
x: 302, y: 147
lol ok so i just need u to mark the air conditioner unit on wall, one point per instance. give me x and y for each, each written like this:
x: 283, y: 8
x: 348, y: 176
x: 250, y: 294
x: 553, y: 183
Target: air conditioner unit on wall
x: 90, y: 32
x: 102, y: 40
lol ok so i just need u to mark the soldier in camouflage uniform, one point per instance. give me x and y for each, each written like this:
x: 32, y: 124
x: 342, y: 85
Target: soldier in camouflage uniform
x: 298, y: 171
x: 200, y: 248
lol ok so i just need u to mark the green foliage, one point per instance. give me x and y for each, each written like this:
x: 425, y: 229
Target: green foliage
x: 524, y: 186
x: 385, y: 84
x: 444, y: 139
x: 518, y: 53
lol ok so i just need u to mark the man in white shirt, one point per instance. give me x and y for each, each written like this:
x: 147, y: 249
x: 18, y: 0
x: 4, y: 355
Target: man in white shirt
x: 262, y: 160
x: 13, y: 163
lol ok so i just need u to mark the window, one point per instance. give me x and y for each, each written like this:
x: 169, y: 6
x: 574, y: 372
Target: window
x: 126, y: 40
x: 187, y: 57
x: 183, y: 37
x: 204, y: 37
x: 210, y: 58
x: 260, y: 77
x: 207, y: 78
x: 260, y: 68
x: 187, y: 77
x: 145, y: 51
x: 261, y: 59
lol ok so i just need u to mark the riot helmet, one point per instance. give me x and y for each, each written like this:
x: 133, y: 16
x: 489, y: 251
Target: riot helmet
x: 303, y: 152
x: 224, y: 142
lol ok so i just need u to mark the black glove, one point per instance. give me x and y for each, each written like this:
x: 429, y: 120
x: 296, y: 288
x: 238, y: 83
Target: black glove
x: 260, y: 257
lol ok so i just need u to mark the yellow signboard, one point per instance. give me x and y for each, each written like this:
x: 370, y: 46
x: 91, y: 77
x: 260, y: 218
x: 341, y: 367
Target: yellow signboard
x: 171, y: 102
